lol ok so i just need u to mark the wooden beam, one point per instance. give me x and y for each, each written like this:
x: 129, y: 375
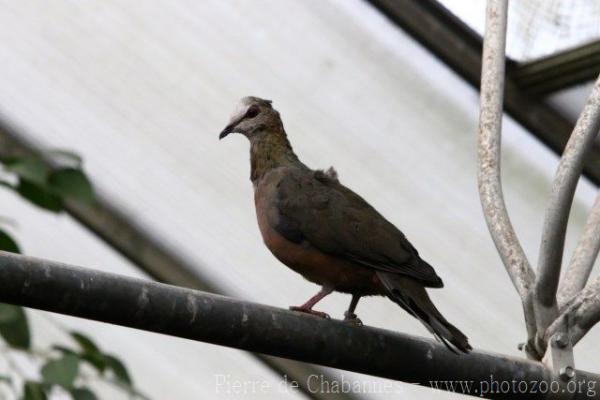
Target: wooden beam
x: 559, y: 71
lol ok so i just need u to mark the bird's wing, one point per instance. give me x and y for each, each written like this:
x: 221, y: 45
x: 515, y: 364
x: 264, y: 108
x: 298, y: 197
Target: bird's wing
x: 315, y: 207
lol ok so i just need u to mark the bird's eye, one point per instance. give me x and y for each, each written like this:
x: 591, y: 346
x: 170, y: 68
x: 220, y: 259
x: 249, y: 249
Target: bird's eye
x: 253, y: 111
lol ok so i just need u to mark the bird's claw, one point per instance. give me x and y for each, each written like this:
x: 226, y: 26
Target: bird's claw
x: 310, y: 311
x: 352, y: 319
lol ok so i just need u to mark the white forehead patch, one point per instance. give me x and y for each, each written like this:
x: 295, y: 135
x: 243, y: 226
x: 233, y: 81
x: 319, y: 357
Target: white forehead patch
x: 240, y: 110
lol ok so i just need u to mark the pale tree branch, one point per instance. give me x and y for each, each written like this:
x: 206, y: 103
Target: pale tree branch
x: 489, y: 182
x: 557, y: 212
x: 582, y: 262
x: 579, y: 315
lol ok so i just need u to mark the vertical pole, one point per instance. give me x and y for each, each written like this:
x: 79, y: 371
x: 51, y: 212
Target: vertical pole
x: 489, y: 140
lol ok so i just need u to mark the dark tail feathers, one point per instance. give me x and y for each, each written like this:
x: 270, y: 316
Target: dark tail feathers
x: 413, y: 298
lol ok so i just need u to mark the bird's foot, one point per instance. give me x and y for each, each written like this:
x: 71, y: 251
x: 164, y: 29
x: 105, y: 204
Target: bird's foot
x: 352, y: 319
x: 310, y: 311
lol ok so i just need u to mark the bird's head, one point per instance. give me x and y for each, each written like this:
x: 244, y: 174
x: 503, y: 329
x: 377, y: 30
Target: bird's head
x: 252, y: 116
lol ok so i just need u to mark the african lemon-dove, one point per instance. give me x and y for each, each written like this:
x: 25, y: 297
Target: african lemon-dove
x: 329, y: 234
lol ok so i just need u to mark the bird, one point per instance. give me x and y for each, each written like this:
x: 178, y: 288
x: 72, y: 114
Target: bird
x: 330, y: 235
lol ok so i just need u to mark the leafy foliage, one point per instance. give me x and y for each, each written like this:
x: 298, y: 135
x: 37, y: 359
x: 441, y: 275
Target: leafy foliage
x: 86, y: 344
x: 61, y: 366
x: 39, y: 195
x: 49, y: 187
x: 82, y: 394
x: 33, y: 391
x: 61, y: 371
x: 14, y: 327
x: 118, y: 369
x: 102, y: 362
x: 31, y: 169
x: 107, y: 365
x: 7, y: 243
x: 71, y: 183
x: 65, y: 158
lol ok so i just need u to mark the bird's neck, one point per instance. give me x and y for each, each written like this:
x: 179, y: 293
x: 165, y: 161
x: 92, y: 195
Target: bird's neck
x: 269, y: 150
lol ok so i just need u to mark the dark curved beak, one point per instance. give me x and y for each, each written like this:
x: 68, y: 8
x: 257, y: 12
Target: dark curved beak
x: 228, y: 129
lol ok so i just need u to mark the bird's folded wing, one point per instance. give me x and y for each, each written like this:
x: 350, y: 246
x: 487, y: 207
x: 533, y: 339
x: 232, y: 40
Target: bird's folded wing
x: 315, y: 208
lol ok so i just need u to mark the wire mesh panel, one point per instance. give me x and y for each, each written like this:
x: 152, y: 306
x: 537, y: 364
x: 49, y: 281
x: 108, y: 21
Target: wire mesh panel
x: 542, y: 27
x: 538, y: 28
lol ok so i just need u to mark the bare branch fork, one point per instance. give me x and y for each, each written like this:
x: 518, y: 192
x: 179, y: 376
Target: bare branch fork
x: 489, y: 183
x: 578, y: 309
x: 582, y: 262
x: 557, y: 215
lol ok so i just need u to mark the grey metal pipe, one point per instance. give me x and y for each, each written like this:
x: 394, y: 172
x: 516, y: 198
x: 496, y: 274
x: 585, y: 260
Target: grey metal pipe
x: 195, y: 315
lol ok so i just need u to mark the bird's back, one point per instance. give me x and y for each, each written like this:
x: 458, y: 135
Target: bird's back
x: 304, y: 205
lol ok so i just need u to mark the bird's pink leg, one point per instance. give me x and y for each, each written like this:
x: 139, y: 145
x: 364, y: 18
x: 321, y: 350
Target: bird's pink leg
x: 349, y: 315
x: 307, y: 307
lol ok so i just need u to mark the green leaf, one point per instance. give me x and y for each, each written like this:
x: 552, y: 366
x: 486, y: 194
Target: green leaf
x: 118, y: 368
x: 65, y: 157
x: 33, y: 391
x: 71, y: 183
x: 29, y: 168
x: 62, y: 371
x: 90, y: 351
x: 86, y: 344
x: 14, y: 327
x: 97, y: 360
x: 39, y: 195
x: 82, y: 394
x: 7, y: 184
x: 7, y: 243
x: 64, y: 350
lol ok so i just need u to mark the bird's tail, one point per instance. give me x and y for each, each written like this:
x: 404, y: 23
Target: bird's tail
x: 412, y: 296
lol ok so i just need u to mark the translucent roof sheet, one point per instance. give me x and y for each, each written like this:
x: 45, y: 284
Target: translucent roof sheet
x: 537, y: 28
x: 141, y: 90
